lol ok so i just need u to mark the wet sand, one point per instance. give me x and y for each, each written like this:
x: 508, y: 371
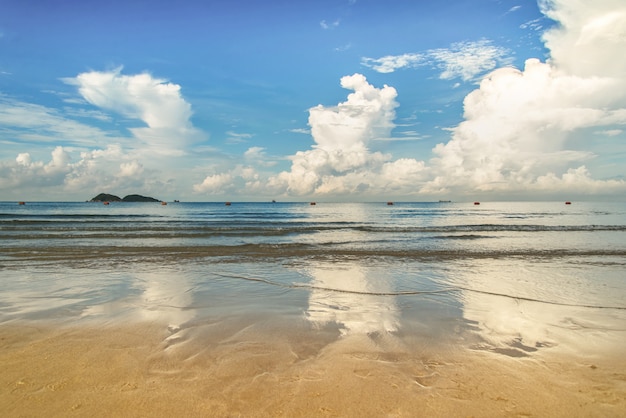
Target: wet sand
x: 252, y: 367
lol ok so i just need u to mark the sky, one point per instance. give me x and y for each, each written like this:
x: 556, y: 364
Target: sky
x: 326, y: 100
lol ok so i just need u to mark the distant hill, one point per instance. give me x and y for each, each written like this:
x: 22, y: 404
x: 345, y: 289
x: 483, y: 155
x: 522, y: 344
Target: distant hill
x: 139, y: 198
x: 105, y: 197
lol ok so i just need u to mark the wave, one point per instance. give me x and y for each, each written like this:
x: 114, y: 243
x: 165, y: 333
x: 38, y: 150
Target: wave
x: 282, y: 251
x: 156, y: 224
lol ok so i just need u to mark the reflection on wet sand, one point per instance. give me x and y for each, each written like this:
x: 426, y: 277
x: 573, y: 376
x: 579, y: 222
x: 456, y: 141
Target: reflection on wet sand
x: 167, y: 297
x: 161, y: 296
x: 352, y: 355
x: 518, y: 310
x: 348, y: 295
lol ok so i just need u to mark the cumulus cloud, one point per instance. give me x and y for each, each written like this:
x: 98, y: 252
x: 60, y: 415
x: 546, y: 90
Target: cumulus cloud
x: 590, y: 37
x: 464, y: 60
x: 88, y: 159
x: 130, y: 169
x: 254, y: 153
x: 341, y: 136
x: 340, y: 161
x: 24, y: 171
x: 528, y: 130
x: 71, y: 174
x: 156, y: 102
x: 518, y: 123
x: 518, y: 129
x: 215, y: 183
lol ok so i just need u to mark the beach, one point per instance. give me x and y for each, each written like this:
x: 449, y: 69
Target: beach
x: 260, y: 369
x: 289, y: 310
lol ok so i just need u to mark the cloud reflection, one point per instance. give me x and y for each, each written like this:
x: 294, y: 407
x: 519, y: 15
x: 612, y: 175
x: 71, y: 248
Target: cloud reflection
x: 349, y: 295
x: 519, y: 309
x: 166, y: 297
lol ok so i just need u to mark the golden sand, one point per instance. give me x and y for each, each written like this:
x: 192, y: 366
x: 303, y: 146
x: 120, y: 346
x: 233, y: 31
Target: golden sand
x: 140, y: 370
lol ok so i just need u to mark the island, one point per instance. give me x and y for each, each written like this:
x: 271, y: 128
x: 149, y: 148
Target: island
x: 106, y: 197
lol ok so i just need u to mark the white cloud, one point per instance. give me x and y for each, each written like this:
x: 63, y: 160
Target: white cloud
x: 90, y: 158
x: 340, y: 161
x: 518, y: 125
x: 25, y: 172
x: 391, y: 63
x: 215, y: 183
x: 27, y: 122
x: 130, y: 169
x: 236, y: 138
x: 254, y: 153
x: 343, y: 47
x: 154, y: 101
x: 535, y: 24
x: 329, y: 25
x: 610, y: 132
x: 590, y: 37
x: 465, y: 60
x: 86, y: 114
x: 301, y: 131
x: 529, y: 130
x: 519, y: 122
x: 405, y: 136
x: 71, y: 175
x: 256, y: 156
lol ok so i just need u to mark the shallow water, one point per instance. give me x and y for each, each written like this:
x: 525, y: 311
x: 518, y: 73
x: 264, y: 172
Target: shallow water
x: 405, y: 284
x: 503, y: 271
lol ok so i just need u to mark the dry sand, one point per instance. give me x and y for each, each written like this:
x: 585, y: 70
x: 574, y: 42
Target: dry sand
x: 260, y: 369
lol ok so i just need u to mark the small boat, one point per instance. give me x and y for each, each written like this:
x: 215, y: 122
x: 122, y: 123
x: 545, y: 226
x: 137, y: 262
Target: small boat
x: 21, y: 203
x: 313, y: 203
x: 163, y: 203
x: 227, y: 203
x: 477, y: 203
x: 105, y: 203
x: 568, y: 203
x: 389, y: 203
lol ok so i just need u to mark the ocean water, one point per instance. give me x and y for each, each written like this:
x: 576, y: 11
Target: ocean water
x: 510, y: 278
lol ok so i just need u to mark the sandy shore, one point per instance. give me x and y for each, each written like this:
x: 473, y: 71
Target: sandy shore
x: 266, y: 369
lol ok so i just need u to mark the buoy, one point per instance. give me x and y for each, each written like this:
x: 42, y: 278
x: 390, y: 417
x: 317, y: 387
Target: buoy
x: 313, y: 203
x: 389, y: 203
x: 21, y: 203
x: 163, y: 203
x: 477, y: 203
x: 105, y: 203
x: 227, y: 203
x: 568, y: 203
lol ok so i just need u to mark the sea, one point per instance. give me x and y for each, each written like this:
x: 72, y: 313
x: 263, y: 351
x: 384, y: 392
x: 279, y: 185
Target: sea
x: 276, y: 309
x: 511, y: 278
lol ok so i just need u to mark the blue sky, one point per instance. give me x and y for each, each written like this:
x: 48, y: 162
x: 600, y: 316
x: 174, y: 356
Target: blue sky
x: 329, y: 100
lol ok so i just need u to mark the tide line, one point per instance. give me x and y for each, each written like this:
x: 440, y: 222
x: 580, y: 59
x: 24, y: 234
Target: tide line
x: 450, y: 289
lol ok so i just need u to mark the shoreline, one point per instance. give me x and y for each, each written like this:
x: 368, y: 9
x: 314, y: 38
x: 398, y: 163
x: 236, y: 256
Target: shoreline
x: 269, y: 368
